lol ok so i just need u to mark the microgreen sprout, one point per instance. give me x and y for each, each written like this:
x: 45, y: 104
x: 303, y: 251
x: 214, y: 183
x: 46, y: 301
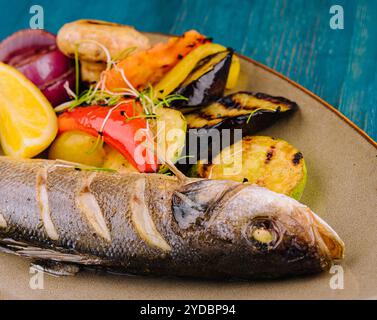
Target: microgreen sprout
x: 79, y: 166
x: 99, y: 94
x: 252, y: 113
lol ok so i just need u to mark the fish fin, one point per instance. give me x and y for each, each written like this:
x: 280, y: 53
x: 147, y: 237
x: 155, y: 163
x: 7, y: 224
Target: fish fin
x: 55, y: 268
x: 24, y: 249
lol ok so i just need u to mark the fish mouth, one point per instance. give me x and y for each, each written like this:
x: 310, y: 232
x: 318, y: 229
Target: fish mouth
x: 328, y: 240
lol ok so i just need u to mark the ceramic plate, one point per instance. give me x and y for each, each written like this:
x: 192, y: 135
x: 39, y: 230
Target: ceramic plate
x: 342, y: 188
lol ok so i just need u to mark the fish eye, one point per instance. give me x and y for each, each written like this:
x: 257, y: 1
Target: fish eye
x: 262, y: 233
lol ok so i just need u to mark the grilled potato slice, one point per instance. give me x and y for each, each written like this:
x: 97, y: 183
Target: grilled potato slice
x: 268, y: 162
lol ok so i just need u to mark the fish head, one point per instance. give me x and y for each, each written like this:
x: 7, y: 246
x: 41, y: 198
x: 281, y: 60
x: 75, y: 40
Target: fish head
x: 258, y: 225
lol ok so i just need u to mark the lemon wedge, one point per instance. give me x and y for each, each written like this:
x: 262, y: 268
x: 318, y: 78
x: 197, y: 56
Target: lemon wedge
x: 28, y: 123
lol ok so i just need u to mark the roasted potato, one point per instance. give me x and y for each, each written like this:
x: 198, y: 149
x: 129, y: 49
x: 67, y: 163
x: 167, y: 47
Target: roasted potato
x: 79, y: 147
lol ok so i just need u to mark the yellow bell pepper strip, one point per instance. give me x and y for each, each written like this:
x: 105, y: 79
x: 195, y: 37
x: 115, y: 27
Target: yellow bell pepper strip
x: 180, y: 72
x: 234, y: 73
x: 119, y: 127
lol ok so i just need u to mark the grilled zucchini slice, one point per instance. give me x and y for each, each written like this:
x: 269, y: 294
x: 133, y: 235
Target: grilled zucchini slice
x: 169, y: 129
x: 268, y: 162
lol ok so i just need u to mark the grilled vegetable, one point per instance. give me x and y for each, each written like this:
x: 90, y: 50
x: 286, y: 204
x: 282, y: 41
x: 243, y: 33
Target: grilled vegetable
x: 234, y: 73
x: 169, y: 129
x: 115, y: 37
x: 247, y: 111
x: 79, y: 147
x: 155, y: 224
x: 122, y: 126
x: 206, y: 82
x: 180, y: 72
x: 91, y: 71
x: 82, y: 148
x: 149, y: 66
x: 24, y: 43
x: 268, y: 162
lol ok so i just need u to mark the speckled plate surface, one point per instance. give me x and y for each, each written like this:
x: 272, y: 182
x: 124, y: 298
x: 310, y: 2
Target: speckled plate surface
x: 342, y: 188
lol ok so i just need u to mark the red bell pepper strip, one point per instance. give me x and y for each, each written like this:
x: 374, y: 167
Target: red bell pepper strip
x: 129, y: 137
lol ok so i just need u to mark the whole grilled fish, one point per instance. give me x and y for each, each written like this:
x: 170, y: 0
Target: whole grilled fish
x: 156, y: 224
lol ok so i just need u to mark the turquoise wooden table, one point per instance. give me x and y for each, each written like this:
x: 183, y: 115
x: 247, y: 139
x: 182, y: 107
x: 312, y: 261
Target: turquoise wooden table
x: 292, y: 36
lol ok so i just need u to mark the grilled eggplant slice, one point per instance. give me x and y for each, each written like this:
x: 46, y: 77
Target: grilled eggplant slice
x: 248, y: 111
x: 206, y: 82
x: 241, y: 114
x: 180, y: 72
x: 268, y: 162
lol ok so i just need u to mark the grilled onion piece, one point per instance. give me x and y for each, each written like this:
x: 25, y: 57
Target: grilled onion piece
x: 115, y: 37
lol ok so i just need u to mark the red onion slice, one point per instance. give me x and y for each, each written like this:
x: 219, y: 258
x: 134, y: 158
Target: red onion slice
x: 25, y: 43
x: 55, y: 91
x: 35, y: 54
x: 45, y: 67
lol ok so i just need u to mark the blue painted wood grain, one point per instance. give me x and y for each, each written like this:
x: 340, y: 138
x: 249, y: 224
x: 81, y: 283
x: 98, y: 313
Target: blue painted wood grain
x: 291, y: 36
